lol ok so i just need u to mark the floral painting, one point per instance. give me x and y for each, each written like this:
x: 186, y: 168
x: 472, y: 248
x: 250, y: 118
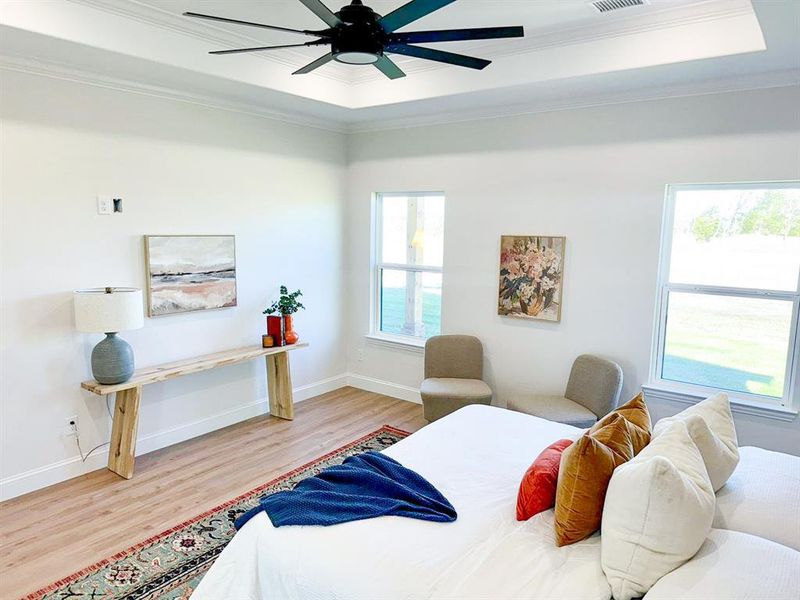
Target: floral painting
x: 531, y: 276
x: 190, y: 272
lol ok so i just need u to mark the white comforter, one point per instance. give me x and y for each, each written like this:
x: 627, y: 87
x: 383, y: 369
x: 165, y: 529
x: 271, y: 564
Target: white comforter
x: 476, y: 457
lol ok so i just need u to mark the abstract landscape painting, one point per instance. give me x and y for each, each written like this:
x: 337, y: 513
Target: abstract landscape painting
x: 190, y: 272
x: 531, y: 276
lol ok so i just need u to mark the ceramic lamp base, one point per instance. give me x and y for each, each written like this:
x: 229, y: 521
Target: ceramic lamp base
x: 112, y: 360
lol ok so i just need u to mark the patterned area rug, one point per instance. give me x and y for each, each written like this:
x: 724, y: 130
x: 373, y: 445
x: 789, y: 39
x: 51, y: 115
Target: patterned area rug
x: 169, y: 566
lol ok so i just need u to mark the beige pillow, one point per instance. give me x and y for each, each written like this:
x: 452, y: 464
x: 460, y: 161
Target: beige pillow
x: 658, y: 511
x: 710, y: 424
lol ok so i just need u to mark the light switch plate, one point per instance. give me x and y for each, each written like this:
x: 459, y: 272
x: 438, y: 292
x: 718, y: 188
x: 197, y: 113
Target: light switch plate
x: 105, y: 206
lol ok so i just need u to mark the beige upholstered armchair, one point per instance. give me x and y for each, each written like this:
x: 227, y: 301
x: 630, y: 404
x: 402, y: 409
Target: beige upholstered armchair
x: 453, y: 375
x: 592, y: 392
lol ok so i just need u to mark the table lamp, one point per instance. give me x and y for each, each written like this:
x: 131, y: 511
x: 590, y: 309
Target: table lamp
x: 110, y: 310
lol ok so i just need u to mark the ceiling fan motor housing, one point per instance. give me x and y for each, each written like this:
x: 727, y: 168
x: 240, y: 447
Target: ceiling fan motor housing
x: 361, y: 39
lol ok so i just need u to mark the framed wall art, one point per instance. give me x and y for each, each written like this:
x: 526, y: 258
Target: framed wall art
x: 189, y: 273
x: 531, y: 276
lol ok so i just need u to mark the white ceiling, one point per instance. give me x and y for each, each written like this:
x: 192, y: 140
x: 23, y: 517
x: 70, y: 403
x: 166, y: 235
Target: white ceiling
x: 571, y: 55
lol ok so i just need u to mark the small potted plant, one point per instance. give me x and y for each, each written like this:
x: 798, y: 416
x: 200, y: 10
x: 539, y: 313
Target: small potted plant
x: 279, y: 316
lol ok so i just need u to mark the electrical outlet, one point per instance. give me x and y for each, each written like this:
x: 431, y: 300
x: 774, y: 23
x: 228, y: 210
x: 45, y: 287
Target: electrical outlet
x: 105, y: 206
x: 71, y: 429
x: 360, y: 354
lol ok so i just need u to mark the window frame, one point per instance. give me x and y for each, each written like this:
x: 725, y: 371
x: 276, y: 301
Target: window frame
x: 789, y: 401
x: 377, y: 266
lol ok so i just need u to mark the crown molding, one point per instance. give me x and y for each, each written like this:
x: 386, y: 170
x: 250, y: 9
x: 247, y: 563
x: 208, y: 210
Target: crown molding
x: 779, y: 79
x: 66, y: 73
x: 789, y: 78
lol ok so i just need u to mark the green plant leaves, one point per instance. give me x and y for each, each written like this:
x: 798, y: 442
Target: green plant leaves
x: 286, y: 304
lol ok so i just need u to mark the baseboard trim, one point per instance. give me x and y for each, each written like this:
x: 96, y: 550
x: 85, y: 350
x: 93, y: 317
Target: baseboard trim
x: 304, y: 392
x: 41, y: 477
x: 387, y: 388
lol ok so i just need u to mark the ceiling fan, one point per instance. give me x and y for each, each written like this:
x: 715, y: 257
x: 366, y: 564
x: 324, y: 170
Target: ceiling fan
x: 358, y: 35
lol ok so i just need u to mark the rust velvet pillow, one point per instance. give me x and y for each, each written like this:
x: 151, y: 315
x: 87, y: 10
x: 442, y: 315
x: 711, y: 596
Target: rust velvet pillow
x: 537, y: 492
x: 583, y: 478
x: 636, y: 413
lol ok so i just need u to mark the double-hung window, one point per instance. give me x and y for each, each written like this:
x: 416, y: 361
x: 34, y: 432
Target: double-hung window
x: 408, y: 238
x: 729, y: 292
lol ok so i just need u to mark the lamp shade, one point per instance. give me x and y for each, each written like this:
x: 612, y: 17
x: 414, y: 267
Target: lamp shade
x: 106, y: 310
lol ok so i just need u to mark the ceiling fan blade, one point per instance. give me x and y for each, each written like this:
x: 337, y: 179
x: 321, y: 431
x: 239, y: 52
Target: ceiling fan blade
x: 323, y: 12
x: 322, y: 60
x: 388, y: 68
x: 416, y: 9
x: 455, y: 35
x: 439, y: 56
x: 260, y: 48
x: 248, y: 23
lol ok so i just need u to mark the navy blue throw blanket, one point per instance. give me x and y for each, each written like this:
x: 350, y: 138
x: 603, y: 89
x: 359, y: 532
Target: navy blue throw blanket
x: 363, y: 487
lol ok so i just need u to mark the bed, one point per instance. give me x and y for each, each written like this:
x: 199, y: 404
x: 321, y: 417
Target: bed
x: 476, y: 457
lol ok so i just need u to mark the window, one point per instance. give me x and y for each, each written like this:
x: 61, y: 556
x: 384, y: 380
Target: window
x: 729, y: 291
x: 408, y: 244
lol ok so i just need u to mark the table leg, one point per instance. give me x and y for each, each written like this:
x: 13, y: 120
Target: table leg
x: 122, y: 452
x: 279, y: 386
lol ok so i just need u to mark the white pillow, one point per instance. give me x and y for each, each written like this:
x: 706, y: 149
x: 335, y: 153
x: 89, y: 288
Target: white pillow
x: 658, y: 511
x: 711, y: 426
x: 733, y: 565
x: 762, y: 497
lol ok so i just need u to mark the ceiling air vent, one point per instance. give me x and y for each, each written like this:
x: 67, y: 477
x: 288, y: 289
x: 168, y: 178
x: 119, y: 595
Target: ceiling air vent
x: 604, y: 6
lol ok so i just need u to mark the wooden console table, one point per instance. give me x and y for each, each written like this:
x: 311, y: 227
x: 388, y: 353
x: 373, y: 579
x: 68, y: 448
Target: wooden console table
x: 122, y: 452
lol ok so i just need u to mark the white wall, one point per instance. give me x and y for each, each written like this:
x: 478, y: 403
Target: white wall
x: 180, y: 168
x: 594, y: 175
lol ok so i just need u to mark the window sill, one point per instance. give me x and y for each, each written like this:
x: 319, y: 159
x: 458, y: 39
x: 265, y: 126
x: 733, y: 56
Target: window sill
x: 397, y: 342
x: 745, y: 407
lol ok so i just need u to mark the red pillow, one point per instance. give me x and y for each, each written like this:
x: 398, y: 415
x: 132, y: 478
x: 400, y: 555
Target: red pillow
x: 537, y: 492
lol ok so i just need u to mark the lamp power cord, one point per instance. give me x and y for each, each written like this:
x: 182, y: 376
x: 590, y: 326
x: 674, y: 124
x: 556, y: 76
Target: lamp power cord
x: 84, y: 457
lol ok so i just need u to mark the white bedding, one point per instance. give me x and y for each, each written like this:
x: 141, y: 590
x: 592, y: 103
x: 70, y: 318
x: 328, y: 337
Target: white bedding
x: 476, y: 457
x: 762, y: 497
x: 732, y: 564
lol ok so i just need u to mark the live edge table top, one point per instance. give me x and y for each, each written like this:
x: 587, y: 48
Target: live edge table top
x: 188, y: 366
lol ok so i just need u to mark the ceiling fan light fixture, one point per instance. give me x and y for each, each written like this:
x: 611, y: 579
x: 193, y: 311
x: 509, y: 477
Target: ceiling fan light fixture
x: 358, y: 35
x: 356, y: 58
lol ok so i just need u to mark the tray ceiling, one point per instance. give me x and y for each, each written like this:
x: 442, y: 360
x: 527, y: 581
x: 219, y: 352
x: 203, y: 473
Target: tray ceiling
x: 568, y: 46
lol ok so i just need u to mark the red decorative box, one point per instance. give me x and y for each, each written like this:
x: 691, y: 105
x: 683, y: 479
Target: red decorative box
x: 275, y: 329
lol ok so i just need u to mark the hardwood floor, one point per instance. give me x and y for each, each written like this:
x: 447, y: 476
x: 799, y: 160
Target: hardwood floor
x: 56, y: 531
